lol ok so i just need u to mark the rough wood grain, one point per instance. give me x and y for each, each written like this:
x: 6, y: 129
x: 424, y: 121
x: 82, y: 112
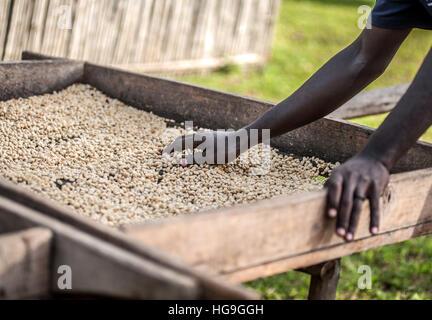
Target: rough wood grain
x: 213, y: 108
x: 4, y: 23
x: 371, y: 102
x: 27, y: 78
x: 98, y: 267
x: 210, y: 287
x: 25, y: 264
x: 289, y: 229
x: 220, y: 110
x: 323, y: 286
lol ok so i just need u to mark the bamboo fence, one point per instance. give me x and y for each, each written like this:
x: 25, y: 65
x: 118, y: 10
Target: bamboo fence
x: 149, y: 35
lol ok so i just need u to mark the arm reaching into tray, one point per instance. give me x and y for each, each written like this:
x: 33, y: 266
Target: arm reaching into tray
x: 342, y: 77
x: 366, y: 175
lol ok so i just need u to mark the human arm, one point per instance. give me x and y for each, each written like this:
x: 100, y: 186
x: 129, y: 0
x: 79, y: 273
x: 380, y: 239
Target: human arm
x: 336, y: 82
x: 367, y: 174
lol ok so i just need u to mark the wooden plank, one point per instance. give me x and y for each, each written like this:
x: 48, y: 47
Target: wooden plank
x: 283, y: 265
x: 19, y: 30
x: 272, y: 17
x: 25, y: 264
x: 51, y: 19
x: 38, y: 25
x: 220, y: 110
x: 187, y: 66
x: 125, y: 49
x: 186, y: 31
x: 98, y: 267
x: 77, y: 40
x: 27, y: 78
x: 153, y: 31
x: 210, y: 287
x: 4, y: 22
x: 371, y: 102
x: 292, y: 229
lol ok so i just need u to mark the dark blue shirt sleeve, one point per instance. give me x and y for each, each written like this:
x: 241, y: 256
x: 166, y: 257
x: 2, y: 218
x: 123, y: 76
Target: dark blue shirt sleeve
x: 402, y: 14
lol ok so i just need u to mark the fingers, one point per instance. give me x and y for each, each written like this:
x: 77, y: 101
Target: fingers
x: 345, y: 198
x: 188, y: 160
x: 374, y: 209
x: 359, y: 197
x: 346, y: 204
x: 334, y: 186
x: 182, y: 143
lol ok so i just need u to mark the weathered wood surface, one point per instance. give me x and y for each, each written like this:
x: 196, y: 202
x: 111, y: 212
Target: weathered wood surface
x: 27, y: 78
x: 323, y: 285
x: 98, y: 267
x: 371, y: 102
x: 187, y: 66
x: 209, y: 287
x: 25, y: 264
x: 273, y: 236
x: 220, y: 110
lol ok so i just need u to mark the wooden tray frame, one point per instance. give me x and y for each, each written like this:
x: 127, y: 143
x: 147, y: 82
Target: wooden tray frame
x: 244, y: 242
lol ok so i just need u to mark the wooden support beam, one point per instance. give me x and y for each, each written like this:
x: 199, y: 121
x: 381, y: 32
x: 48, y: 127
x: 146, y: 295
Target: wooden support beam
x: 25, y: 264
x: 260, y: 239
x: 208, y: 287
x: 269, y: 237
x: 98, y: 267
x: 323, y: 284
x: 324, y: 280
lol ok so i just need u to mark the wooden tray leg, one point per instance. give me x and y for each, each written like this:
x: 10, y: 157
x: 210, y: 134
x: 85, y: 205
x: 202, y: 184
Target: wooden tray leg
x: 324, y: 280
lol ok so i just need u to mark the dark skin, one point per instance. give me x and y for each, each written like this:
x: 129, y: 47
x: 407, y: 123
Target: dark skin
x: 366, y: 175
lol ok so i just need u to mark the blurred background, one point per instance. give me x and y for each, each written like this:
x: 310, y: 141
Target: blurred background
x: 260, y: 48
x: 143, y: 35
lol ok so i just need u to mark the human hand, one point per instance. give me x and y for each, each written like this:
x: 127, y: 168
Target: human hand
x: 349, y: 186
x: 216, y: 147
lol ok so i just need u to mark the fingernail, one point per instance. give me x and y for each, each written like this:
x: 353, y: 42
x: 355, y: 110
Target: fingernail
x: 332, y: 213
x: 349, y: 236
x: 374, y: 230
x: 341, y: 231
x: 183, y: 162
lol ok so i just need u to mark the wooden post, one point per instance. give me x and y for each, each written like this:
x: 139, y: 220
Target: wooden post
x: 324, y: 280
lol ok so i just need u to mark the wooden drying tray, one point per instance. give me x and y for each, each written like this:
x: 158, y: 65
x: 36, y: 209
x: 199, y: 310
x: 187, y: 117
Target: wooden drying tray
x: 244, y: 242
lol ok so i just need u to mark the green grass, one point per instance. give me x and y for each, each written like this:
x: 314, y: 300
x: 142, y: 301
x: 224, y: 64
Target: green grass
x: 308, y: 33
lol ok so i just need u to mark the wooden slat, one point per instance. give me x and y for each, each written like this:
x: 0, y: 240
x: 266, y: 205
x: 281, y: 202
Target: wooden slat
x: 214, y: 108
x: 282, y: 265
x: 220, y: 110
x: 27, y: 78
x: 19, y: 30
x: 210, y: 288
x: 184, y: 66
x: 371, y: 102
x: 25, y: 264
x: 244, y: 242
x: 98, y: 267
x: 129, y: 28
x: 4, y: 21
x: 39, y: 17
